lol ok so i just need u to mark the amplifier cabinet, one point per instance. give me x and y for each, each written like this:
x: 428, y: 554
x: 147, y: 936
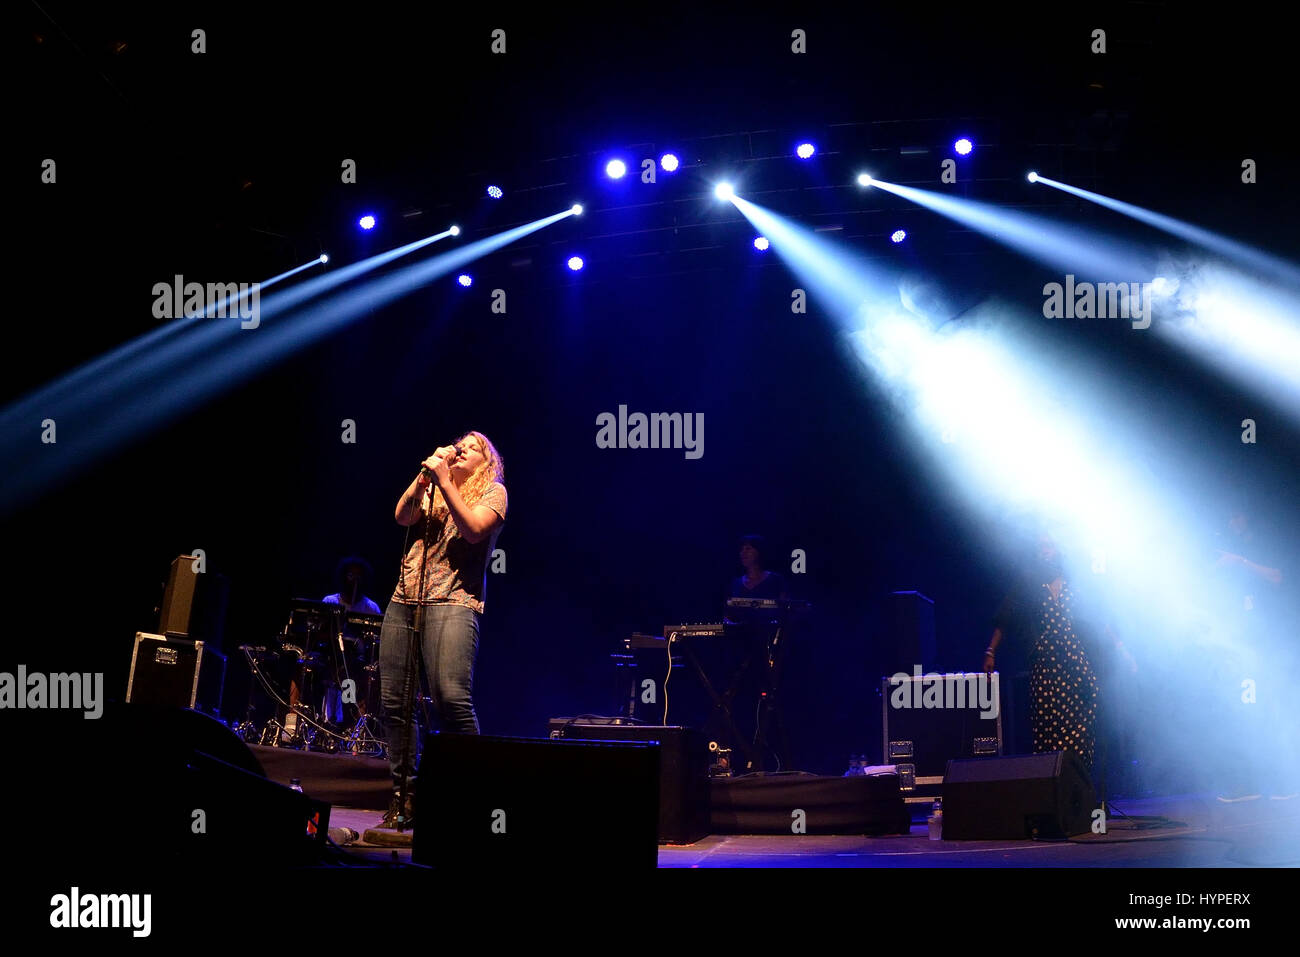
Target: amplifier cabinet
x: 173, y: 672
x: 931, y: 719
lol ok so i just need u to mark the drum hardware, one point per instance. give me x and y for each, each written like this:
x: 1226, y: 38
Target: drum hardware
x: 364, y: 741
x: 246, y: 731
x: 309, y: 732
x: 321, y: 647
x: 272, y: 733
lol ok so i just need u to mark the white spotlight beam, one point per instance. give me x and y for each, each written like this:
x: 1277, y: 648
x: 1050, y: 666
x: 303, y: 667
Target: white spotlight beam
x: 1257, y: 259
x: 1239, y: 325
x: 1012, y: 431
x: 1074, y: 250
x: 842, y: 280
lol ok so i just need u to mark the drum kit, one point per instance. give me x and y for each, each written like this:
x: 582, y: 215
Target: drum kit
x: 322, y: 673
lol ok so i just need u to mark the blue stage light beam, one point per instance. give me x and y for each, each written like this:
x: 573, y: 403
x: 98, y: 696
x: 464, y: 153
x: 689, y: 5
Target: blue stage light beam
x: 1241, y: 325
x: 1081, y: 252
x: 1248, y: 256
x: 291, y: 298
x: 945, y: 383
x: 208, y: 335
x: 1028, y: 436
x: 1021, y: 449
x: 840, y: 279
x: 193, y: 338
x: 169, y: 381
x: 19, y: 414
x: 1228, y: 320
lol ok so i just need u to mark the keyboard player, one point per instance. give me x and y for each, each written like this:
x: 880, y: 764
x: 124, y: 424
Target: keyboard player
x: 760, y: 646
x: 757, y: 581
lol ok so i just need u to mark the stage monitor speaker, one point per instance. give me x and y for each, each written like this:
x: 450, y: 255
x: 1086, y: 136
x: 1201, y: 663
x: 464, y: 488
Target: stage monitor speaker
x: 148, y: 789
x: 194, y: 603
x: 1018, y: 797
x: 486, y: 802
x: 683, y: 770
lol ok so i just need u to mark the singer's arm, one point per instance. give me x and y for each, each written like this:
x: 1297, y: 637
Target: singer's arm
x: 476, y: 524
x: 408, y: 506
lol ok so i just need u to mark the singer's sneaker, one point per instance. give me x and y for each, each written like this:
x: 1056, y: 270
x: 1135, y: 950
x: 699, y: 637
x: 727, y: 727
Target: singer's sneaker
x: 410, y: 811
x: 389, y: 821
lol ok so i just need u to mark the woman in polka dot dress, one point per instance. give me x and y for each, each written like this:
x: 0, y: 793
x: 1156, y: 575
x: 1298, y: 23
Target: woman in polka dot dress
x: 1062, y: 681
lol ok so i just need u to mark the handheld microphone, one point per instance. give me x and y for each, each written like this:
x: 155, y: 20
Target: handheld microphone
x: 427, y: 473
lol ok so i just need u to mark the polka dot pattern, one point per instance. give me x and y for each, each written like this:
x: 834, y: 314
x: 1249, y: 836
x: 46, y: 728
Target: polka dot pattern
x: 1062, y: 683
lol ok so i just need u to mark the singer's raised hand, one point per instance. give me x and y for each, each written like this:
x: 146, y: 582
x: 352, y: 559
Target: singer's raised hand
x: 439, y: 464
x: 426, y: 471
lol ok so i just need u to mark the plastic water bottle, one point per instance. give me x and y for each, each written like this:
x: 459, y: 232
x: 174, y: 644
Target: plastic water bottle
x: 935, y: 820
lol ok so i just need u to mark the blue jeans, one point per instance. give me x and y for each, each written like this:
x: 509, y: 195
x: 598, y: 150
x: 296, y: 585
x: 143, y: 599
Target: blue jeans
x: 449, y: 645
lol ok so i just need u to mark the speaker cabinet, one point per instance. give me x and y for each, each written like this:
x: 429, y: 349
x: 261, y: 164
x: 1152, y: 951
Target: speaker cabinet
x: 908, y: 637
x: 176, y: 673
x: 151, y: 789
x: 1019, y: 797
x: 485, y: 802
x: 683, y: 770
x: 194, y: 603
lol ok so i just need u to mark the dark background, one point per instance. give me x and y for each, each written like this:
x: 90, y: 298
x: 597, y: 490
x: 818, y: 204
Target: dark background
x: 226, y: 166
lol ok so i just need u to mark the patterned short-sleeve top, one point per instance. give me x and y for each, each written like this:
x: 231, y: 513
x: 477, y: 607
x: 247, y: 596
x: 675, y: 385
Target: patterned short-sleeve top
x: 455, y: 571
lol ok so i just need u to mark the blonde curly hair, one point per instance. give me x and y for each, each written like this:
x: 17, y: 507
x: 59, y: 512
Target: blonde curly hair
x: 492, y: 470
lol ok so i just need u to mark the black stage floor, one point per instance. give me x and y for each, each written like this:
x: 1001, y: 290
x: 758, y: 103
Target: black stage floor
x: 1181, y: 831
